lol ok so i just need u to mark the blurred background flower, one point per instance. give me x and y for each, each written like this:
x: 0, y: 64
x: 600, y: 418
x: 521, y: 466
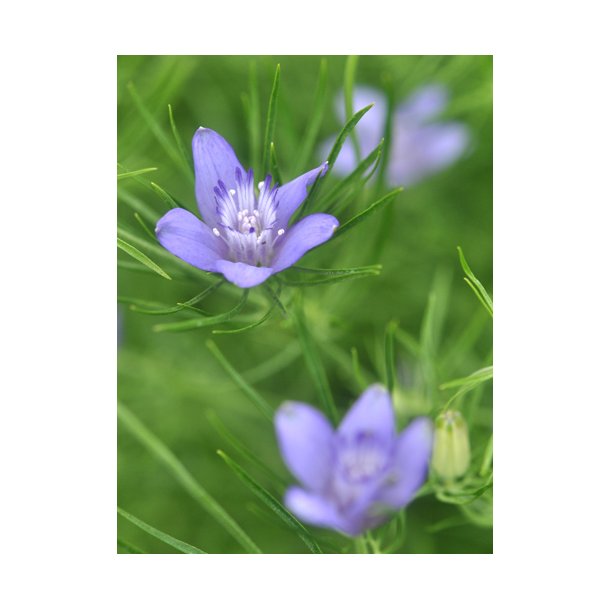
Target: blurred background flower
x: 420, y: 144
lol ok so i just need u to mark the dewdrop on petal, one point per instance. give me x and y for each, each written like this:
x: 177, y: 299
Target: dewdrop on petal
x: 451, y: 454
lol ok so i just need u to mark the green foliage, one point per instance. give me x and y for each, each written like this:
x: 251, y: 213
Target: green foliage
x: 406, y: 322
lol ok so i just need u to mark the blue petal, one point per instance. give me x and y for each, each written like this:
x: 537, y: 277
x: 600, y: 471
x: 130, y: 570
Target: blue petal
x: 305, y: 438
x: 410, y: 468
x: 242, y: 274
x: 185, y: 236
x: 290, y: 196
x: 316, y: 510
x: 371, y: 415
x: 306, y: 234
x: 214, y: 160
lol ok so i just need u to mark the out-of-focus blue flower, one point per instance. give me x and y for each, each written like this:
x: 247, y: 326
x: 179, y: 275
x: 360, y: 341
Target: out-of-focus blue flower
x: 419, y: 147
x: 353, y: 478
x: 243, y: 235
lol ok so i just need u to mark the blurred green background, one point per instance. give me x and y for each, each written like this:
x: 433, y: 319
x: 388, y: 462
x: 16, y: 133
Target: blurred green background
x: 173, y: 384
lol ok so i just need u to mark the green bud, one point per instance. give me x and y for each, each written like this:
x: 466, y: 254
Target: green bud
x: 451, y: 455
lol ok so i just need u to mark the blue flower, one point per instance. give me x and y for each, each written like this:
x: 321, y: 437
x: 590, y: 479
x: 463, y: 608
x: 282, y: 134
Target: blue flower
x: 243, y: 235
x: 353, y: 478
x: 418, y: 146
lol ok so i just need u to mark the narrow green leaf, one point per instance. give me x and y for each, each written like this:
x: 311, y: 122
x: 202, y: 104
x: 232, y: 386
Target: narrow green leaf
x: 128, y: 547
x: 158, y: 131
x: 374, y: 207
x: 202, y: 322
x: 331, y: 202
x: 474, y: 379
x: 275, y: 170
x: 136, y: 172
x: 144, y: 307
x: 315, y: 122
x: 137, y: 205
x: 344, y: 133
x: 487, y: 457
x: 275, y: 298
x: 357, y: 372
x: 243, y: 329
x: 259, y: 402
x: 179, y: 143
x: 143, y: 225
x: 387, y: 131
x: 270, y: 126
x: 314, y: 364
x: 338, y: 276
x: 254, y: 118
x: 264, y: 496
x: 242, y: 450
x: 160, y: 252
x: 475, y: 285
x: 349, y: 75
x: 409, y: 342
x: 133, y: 266
x: 164, y: 195
x: 140, y: 257
x: 390, y: 364
x: 184, y: 477
x: 332, y: 157
x: 183, y: 547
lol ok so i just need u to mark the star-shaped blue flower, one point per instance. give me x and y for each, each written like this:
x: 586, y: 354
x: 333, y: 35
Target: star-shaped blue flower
x: 356, y: 477
x: 244, y: 234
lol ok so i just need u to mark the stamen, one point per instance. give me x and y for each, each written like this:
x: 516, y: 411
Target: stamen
x: 216, y: 232
x: 232, y: 191
x: 260, y: 185
x: 281, y: 232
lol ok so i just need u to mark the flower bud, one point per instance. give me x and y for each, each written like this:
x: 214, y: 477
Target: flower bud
x: 451, y: 455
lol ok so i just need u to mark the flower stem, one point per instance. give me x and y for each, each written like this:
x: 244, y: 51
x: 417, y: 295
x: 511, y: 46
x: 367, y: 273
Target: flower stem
x: 360, y: 545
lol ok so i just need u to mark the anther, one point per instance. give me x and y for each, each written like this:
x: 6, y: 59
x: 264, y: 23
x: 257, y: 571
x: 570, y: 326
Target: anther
x: 216, y: 232
x: 281, y: 232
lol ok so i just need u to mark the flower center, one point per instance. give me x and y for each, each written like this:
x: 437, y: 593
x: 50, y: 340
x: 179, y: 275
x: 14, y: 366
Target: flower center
x: 245, y: 223
x: 362, y: 459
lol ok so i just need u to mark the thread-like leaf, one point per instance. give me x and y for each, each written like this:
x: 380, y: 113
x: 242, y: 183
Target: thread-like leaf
x: 475, y: 285
x: 242, y: 450
x: 262, y: 494
x: 263, y: 406
x: 164, y: 195
x: 135, y: 172
x: 349, y: 75
x: 270, y: 126
x: 185, y: 478
x: 390, y: 364
x: 314, y: 364
x: 371, y: 209
x: 158, y: 131
x: 338, y: 275
x: 181, y: 546
x: 332, y: 201
x: 315, y: 122
x: 243, y: 329
x: 202, y: 322
x: 140, y: 257
x: 179, y: 143
x: 144, y: 307
x: 474, y: 379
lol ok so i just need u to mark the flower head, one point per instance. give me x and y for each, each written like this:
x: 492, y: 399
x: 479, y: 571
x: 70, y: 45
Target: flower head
x: 353, y: 478
x: 419, y: 147
x: 244, y: 234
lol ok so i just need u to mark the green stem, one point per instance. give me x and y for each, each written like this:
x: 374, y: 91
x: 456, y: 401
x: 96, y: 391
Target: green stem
x: 360, y: 545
